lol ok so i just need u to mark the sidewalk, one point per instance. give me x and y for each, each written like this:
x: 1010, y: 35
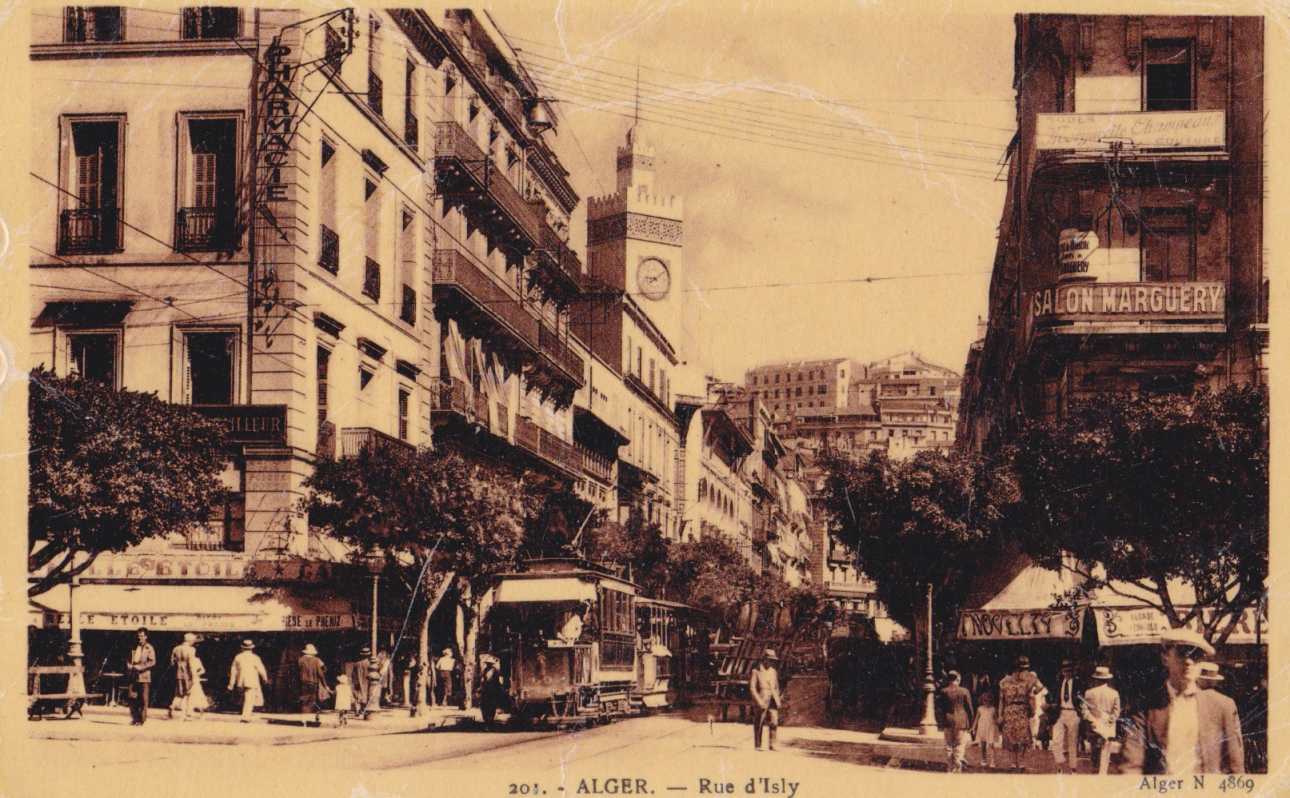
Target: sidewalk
x: 872, y: 748
x: 112, y: 724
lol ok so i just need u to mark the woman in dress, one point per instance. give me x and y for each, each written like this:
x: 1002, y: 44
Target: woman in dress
x: 197, y: 700
x: 1016, y: 697
x: 986, y: 727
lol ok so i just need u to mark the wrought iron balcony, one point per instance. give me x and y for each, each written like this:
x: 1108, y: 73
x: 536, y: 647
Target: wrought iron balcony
x: 547, y: 446
x: 329, y: 249
x: 466, y: 173
x: 204, y: 229
x: 451, y: 396
x: 354, y: 439
x: 482, y: 301
x: 558, y: 352
x: 89, y: 231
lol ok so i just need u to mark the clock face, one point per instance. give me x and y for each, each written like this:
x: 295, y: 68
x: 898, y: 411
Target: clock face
x: 653, y: 278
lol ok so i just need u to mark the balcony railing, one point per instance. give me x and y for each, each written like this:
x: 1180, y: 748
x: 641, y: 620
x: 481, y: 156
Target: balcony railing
x: 528, y: 435
x: 463, y: 160
x: 595, y: 464
x: 354, y: 439
x: 204, y: 229
x: 375, y: 93
x: 89, y: 230
x: 558, y: 352
x: 556, y: 249
x: 450, y: 396
x: 92, y: 24
x: 560, y: 452
x: 329, y: 249
x: 453, y: 269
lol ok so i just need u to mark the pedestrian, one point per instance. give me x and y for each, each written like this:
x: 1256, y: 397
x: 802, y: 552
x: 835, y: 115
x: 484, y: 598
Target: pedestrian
x: 344, y: 699
x: 249, y: 677
x: 198, y: 702
x: 356, y: 670
x: 956, y: 713
x: 1040, y: 730
x: 181, y: 662
x: 1017, y: 693
x: 313, y: 681
x: 492, y: 692
x: 143, y: 658
x: 444, y: 666
x: 763, y: 686
x: 985, y: 730
x: 1180, y: 729
x: 1209, y: 678
x: 387, y: 677
x: 1101, y: 708
x: 1065, y: 745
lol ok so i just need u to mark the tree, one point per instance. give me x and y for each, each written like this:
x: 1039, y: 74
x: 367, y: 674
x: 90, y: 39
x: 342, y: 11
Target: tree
x: 445, y: 521
x: 1154, y: 490
x: 637, y: 548
x: 931, y: 520
x: 710, y: 575
x: 110, y: 469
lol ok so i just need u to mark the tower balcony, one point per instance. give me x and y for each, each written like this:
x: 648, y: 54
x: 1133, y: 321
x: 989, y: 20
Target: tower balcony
x: 467, y: 176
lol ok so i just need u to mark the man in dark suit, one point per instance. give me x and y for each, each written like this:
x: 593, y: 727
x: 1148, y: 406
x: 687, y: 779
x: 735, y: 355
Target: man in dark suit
x: 956, y: 718
x: 1180, y: 731
x: 313, y: 677
x: 143, y: 658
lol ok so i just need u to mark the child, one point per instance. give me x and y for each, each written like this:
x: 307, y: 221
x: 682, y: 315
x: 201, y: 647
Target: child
x: 344, y: 698
x: 986, y: 729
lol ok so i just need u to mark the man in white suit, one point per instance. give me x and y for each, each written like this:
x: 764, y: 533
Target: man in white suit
x: 249, y: 676
x: 1102, y: 710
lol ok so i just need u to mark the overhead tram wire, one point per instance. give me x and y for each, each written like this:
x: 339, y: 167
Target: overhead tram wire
x: 854, y: 105
x: 602, y: 91
x: 774, y: 133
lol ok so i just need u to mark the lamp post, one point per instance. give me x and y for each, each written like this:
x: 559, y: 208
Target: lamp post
x: 375, y: 564
x: 927, y: 726
x: 75, y: 656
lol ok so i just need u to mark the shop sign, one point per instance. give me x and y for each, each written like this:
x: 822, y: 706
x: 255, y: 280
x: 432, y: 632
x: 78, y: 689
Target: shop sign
x: 1045, y: 624
x: 177, y: 566
x: 205, y: 622
x: 1144, y: 625
x: 1136, y: 131
x: 250, y: 423
x: 1075, y: 247
x: 1129, y: 302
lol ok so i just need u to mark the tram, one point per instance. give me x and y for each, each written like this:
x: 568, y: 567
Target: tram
x: 578, y: 643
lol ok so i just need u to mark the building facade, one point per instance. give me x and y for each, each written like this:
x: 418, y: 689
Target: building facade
x: 1130, y: 254
x: 800, y: 386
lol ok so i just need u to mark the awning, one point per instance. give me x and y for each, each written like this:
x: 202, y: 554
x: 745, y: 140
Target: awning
x: 1022, y: 608
x: 1127, y: 626
x: 561, y: 589
x: 194, y: 608
x: 84, y: 313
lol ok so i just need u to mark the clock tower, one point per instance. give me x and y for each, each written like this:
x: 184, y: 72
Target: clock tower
x: 634, y: 240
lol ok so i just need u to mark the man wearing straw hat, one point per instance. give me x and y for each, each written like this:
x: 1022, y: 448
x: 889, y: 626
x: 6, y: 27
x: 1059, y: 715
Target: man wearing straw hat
x: 313, y: 680
x: 1181, y: 730
x: 763, y: 685
x: 1210, y: 679
x: 249, y: 676
x: 1101, y: 708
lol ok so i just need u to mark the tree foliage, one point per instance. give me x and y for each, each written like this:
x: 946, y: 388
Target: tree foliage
x: 931, y: 520
x: 1154, y: 489
x: 110, y: 469
x: 636, y: 548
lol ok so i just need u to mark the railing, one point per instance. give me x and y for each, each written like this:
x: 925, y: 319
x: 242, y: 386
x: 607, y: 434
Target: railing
x: 372, y: 279
x: 455, y: 145
x: 89, y: 230
x: 595, y: 464
x: 201, y: 229
x: 411, y: 128
x: 555, y: 248
x: 408, y: 310
x: 329, y: 250
x: 354, y: 439
x: 559, y: 452
x: 450, y: 394
x: 559, y: 353
x: 528, y: 435
x: 375, y: 93
x: 92, y: 25
x: 451, y: 267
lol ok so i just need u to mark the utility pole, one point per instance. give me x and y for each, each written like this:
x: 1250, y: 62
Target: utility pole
x: 927, y: 726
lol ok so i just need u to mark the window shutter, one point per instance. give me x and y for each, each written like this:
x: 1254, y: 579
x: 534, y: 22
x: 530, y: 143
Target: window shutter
x: 187, y: 366
x: 89, y: 178
x: 204, y: 179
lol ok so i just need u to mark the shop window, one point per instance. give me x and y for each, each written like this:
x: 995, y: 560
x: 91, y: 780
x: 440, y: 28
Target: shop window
x: 95, y: 356
x: 1167, y: 72
x: 211, y: 22
x: 209, y: 367
x: 1168, y: 245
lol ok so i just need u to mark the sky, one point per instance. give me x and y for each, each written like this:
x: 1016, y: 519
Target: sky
x: 814, y: 145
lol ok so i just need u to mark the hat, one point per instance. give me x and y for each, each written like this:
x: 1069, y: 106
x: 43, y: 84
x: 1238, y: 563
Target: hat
x: 365, y: 651
x: 342, y: 679
x: 953, y: 675
x: 1066, y: 663
x: 447, y: 651
x: 1102, y: 672
x: 1023, y: 662
x: 769, y: 654
x: 309, y: 649
x: 1186, y: 637
x: 247, y: 645
x: 1209, y: 670
x: 189, y: 637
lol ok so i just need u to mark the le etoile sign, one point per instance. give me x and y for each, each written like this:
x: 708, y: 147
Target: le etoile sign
x: 1199, y: 301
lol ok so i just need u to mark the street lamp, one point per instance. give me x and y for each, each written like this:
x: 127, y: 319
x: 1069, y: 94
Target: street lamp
x: 927, y: 726
x: 375, y: 562
x: 76, y: 681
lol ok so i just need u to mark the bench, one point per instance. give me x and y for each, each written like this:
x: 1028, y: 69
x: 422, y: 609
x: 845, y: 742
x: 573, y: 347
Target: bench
x: 39, y: 701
